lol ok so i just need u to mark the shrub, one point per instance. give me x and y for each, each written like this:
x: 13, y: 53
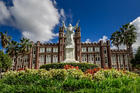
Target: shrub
x: 77, y: 74
x: 5, y: 61
x: 131, y: 74
x: 70, y: 67
x: 92, y: 71
x: 73, y: 84
x: 113, y: 73
x: 108, y: 73
x: 59, y: 74
x: 70, y: 80
x: 82, y: 66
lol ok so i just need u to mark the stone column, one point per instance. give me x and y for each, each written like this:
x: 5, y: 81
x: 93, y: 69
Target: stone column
x: 102, y: 55
x: 31, y: 56
x: 37, y: 55
x: 61, y: 45
x: 109, y: 54
x: 78, y: 44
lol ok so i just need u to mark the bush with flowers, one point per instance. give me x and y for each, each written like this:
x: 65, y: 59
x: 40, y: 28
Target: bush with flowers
x: 70, y: 79
x: 82, y: 66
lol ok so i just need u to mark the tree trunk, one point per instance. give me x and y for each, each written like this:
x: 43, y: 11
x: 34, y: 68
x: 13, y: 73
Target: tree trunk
x: 118, y: 47
x: 129, y: 48
x: 16, y: 64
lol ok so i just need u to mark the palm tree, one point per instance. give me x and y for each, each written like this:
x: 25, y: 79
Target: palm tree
x: 129, y: 36
x: 116, y: 39
x: 5, y: 39
x: 25, y: 46
x: 13, y: 51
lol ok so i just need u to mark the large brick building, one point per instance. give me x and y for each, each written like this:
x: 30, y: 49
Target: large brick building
x: 96, y: 53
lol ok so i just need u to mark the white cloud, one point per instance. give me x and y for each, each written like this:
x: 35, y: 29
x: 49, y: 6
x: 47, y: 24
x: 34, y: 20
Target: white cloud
x: 104, y: 38
x: 54, y: 2
x: 87, y: 41
x: 62, y: 13
x: 4, y: 13
x: 35, y: 18
x: 136, y: 23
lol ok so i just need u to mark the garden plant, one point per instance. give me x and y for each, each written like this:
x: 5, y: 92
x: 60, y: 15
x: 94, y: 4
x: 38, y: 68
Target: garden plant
x: 70, y: 79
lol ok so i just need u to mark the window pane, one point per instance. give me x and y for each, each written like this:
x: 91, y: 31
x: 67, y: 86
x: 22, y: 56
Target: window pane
x: 84, y: 49
x: 48, y: 49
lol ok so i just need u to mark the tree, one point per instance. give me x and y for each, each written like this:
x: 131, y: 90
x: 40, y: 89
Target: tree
x: 128, y: 36
x: 13, y: 50
x: 136, y: 61
x: 5, y: 61
x: 116, y: 39
x: 25, y: 46
x: 137, y: 56
x: 5, y: 39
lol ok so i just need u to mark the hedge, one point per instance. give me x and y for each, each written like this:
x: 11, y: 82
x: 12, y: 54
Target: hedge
x: 82, y: 66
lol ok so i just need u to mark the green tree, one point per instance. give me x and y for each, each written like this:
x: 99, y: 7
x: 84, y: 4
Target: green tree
x: 116, y: 39
x: 137, y: 56
x: 13, y: 50
x: 5, y: 39
x: 136, y: 61
x: 5, y: 61
x: 129, y: 36
x: 25, y: 46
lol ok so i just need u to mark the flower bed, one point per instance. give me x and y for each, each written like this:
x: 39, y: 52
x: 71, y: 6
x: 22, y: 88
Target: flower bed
x: 70, y: 79
x: 82, y: 66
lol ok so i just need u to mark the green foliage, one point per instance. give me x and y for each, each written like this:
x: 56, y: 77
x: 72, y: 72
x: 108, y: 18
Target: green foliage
x: 136, y: 61
x: 113, y: 73
x: 5, y: 61
x: 5, y: 39
x: 126, y: 35
x: 82, y: 66
x: 74, y: 84
x: 77, y: 74
x: 68, y: 81
x: 59, y: 74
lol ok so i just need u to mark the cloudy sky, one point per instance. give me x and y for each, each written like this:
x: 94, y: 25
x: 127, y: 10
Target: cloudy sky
x: 40, y: 19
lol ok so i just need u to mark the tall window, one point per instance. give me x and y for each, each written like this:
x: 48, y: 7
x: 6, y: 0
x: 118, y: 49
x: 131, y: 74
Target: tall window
x: 42, y: 50
x: 120, y: 58
x: 84, y: 58
x: 105, y: 50
x: 48, y: 59
x: 97, y: 49
x: 97, y: 57
x: 48, y: 49
x: 41, y: 58
x: 90, y: 49
x: 97, y: 60
x: 84, y: 49
x: 55, y: 49
x: 55, y: 58
x: 113, y: 58
x: 90, y: 58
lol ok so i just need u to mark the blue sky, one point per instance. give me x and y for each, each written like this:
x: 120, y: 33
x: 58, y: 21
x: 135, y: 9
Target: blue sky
x: 97, y: 17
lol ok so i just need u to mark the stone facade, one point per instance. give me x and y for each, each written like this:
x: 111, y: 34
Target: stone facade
x: 95, y: 53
